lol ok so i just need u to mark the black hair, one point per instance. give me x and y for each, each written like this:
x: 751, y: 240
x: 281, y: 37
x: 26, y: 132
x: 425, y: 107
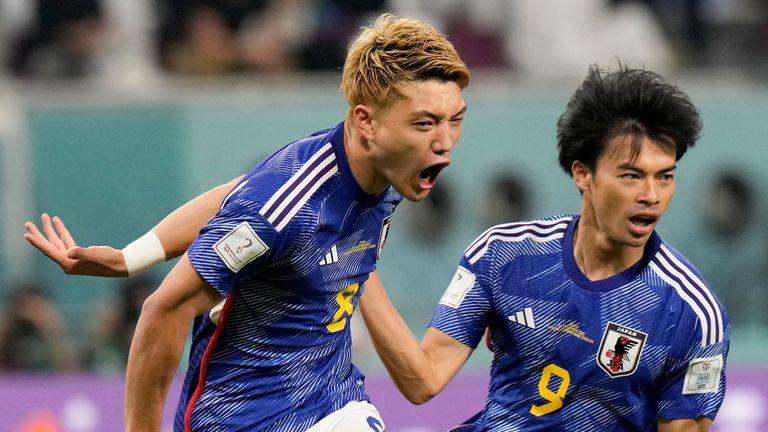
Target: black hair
x: 635, y: 103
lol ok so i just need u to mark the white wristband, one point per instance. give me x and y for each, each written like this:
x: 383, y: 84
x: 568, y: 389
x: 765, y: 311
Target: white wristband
x: 143, y: 253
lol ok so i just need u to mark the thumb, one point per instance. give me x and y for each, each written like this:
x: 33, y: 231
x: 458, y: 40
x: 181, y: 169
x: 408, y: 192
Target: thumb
x: 76, y: 252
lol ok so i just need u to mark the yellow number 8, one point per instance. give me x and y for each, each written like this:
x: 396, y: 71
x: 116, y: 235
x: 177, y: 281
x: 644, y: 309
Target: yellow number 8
x: 555, y: 398
x: 344, y: 300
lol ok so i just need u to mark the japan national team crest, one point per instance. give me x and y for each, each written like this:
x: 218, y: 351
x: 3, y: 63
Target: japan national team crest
x: 620, y: 350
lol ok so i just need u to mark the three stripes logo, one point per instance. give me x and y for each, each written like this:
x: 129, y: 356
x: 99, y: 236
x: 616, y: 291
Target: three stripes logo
x: 331, y: 257
x: 524, y: 318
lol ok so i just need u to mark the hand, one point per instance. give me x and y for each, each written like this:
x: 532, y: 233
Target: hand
x: 57, y: 244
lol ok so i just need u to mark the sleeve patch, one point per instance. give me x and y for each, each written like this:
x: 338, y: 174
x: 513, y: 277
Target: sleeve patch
x: 703, y: 375
x: 463, y: 280
x: 239, y: 247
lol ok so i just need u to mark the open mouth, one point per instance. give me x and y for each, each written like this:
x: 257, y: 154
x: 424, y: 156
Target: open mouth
x: 428, y: 176
x: 643, y: 220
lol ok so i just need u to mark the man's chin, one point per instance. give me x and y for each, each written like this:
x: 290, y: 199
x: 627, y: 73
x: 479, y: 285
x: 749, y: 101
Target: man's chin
x: 638, y: 241
x: 417, y: 196
x: 413, y: 194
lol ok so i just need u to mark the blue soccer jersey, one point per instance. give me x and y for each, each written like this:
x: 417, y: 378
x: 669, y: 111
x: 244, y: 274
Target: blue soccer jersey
x: 289, y: 250
x: 570, y: 354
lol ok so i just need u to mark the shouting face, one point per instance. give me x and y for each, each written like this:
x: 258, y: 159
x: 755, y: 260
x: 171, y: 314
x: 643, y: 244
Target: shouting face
x: 411, y: 140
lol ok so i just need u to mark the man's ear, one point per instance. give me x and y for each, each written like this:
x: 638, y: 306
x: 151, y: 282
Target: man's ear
x: 582, y: 175
x: 363, y: 120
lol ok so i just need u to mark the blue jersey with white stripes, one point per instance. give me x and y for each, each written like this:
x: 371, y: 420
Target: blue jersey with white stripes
x: 570, y: 354
x: 289, y: 251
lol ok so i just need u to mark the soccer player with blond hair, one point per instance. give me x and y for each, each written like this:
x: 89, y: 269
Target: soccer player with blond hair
x: 273, y: 278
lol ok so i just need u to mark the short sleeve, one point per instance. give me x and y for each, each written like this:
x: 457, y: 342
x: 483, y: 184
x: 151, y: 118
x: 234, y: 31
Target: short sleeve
x: 464, y: 307
x: 238, y: 241
x: 694, y: 385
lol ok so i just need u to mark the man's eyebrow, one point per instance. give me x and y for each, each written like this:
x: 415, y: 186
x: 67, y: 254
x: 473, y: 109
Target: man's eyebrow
x: 461, y: 111
x: 630, y: 167
x: 433, y: 116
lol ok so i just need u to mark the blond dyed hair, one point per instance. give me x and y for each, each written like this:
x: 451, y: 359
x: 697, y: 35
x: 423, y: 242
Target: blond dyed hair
x: 394, y: 52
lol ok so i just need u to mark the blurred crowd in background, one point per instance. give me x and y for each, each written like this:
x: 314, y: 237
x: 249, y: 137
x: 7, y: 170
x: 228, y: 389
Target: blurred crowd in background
x: 34, y: 337
x: 142, y: 38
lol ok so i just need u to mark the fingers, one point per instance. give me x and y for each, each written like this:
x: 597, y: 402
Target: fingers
x: 47, y: 243
x: 31, y: 229
x: 50, y: 233
x: 66, y: 237
x: 36, y: 239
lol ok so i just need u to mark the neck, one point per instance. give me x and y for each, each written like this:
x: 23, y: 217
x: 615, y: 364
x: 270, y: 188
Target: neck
x: 361, y: 161
x: 597, y: 255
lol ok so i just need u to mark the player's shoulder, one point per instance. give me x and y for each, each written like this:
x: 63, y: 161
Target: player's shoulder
x: 311, y: 154
x: 675, y: 269
x: 298, y: 167
x: 535, y: 233
x: 687, y: 290
x: 277, y: 189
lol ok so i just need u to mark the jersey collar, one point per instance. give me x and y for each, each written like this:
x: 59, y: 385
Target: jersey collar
x: 615, y: 281
x: 347, y: 179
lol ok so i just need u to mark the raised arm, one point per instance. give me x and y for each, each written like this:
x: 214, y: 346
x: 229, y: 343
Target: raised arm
x: 158, y: 343
x: 174, y: 234
x: 419, y: 370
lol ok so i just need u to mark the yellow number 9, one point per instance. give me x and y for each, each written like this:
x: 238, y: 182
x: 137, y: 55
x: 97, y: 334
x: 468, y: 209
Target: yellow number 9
x: 555, y: 398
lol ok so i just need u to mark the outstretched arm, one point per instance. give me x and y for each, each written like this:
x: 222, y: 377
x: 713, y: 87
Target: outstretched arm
x: 159, y: 341
x: 419, y: 370
x: 175, y: 233
x: 177, y: 230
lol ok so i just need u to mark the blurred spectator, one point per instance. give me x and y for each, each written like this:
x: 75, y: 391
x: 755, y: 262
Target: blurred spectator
x: 713, y: 33
x: 432, y: 218
x: 682, y: 21
x: 32, y: 333
x: 477, y: 28
x: 547, y: 39
x: 727, y: 220
x: 211, y: 37
x: 559, y: 38
x: 335, y: 22
x: 61, y: 39
x: 729, y: 206
x: 110, y: 339
x: 508, y: 199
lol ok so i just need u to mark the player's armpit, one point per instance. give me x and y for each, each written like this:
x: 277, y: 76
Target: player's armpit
x: 700, y: 424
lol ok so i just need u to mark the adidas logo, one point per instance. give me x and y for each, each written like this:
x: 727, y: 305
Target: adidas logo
x: 331, y: 257
x: 524, y: 317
